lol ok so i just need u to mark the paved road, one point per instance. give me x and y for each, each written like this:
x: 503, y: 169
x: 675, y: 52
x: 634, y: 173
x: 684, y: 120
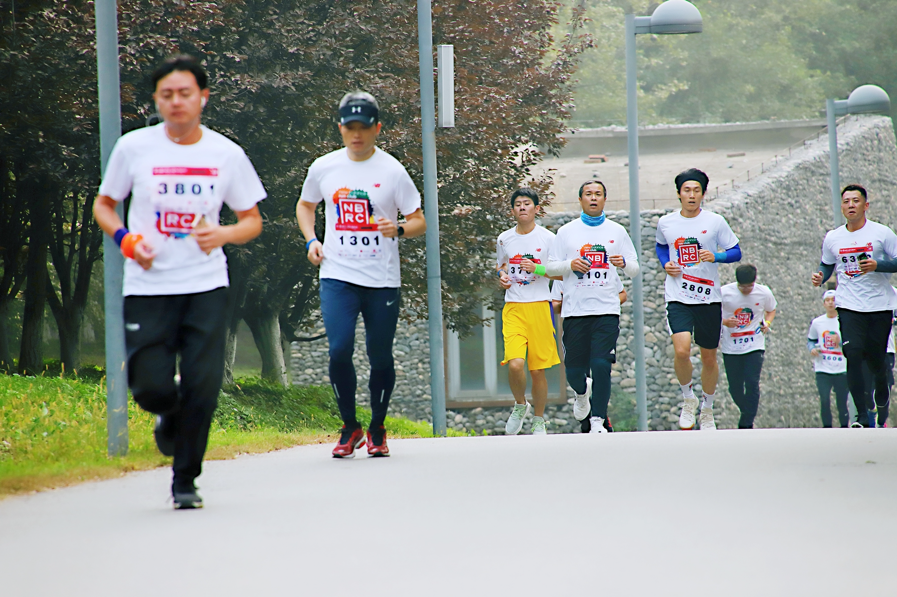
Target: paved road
x: 762, y: 513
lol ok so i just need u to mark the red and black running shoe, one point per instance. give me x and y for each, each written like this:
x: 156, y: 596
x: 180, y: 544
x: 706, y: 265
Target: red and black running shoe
x: 377, y: 442
x: 349, y: 441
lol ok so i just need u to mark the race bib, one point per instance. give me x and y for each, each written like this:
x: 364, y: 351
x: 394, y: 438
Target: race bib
x: 181, y: 197
x: 696, y: 289
x: 597, y: 276
x: 516, y: 272
x: 851, y: 257
x: 357, y: 233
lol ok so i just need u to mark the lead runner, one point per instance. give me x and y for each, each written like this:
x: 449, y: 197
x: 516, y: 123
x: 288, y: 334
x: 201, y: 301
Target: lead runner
x: 178, y: 173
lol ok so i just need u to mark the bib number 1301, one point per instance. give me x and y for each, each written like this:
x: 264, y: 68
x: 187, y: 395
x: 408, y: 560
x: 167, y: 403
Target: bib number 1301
x: 360, y: 245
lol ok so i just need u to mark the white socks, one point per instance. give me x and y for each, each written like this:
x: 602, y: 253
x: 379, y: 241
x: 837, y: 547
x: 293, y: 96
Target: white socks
x: 687, y: 391
x: 708, y: 401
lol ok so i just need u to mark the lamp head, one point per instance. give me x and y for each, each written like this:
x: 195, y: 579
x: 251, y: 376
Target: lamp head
x: 868, y: 99
x: 676, y: 16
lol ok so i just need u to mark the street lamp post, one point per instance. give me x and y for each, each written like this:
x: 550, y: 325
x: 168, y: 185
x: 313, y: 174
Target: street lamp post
x: 671, y: 17
x: 866, y: 99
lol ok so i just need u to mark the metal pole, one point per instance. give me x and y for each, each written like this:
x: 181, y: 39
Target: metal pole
x: 113, y: 263
x: 635, y: 229
x: 833, y: 162
x: 431, y: 209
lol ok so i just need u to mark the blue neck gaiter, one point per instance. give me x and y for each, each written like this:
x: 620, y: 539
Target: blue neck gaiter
x: 591, y: 220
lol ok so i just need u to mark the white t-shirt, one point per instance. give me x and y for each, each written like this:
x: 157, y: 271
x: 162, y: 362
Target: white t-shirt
x: 173, y: 187
x: 699, y: 282
x: 511, y: 249
x: 593, y: 293
x: 826, y: 332
x: 749, y: 310
x: 557, y: 289
x: 355, y: 195
x: 843, y: 249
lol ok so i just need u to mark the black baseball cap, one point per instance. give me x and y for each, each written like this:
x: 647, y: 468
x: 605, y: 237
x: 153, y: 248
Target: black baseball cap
x: 359, y: 106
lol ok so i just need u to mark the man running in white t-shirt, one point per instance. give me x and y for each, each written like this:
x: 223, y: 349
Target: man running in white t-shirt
x: 587, y: 253
x: 363, y: 189
x: 179, y: 174
x: 824, y: 344
x: 864, y: 254
x: 871, y: 409
x: 691, y: 243
x: 527, y: 324
x: 748, y: 309
x: 557, y: 303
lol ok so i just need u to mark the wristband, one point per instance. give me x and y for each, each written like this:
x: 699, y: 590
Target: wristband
x: 119, y: 234
x: 128, y: 242
x: 308, y: 244
x: 768, y: 324
x: 540, y: 270
x: 498, y: 273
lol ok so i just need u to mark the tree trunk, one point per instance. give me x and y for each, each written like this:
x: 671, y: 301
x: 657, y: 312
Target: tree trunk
x: 265, y: 328
x: 31, y: 355
x: 230, y: 355
x: 70, y: 342
x: 6, y: 364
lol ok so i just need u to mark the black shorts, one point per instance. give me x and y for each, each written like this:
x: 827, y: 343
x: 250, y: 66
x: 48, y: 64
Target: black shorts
x: 590, y: 337
x: 703, y: 322
x: 864, y: 333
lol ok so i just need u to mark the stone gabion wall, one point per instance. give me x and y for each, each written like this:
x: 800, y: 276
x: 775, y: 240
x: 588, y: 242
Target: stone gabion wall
x: 780, y: 219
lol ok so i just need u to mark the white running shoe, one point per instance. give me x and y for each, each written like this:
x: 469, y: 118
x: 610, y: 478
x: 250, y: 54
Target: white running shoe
x: 581, y: 405
x: 706, y: 420
x: 597, y: 425
x: 687, y: 418
x: 539, y: 426
x: 515, y: 421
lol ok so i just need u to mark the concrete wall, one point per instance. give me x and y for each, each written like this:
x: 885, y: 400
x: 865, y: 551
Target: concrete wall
x: 780, y: 218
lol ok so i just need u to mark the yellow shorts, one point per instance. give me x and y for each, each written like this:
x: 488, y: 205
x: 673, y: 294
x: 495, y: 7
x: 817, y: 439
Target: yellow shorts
x: 528, y: 327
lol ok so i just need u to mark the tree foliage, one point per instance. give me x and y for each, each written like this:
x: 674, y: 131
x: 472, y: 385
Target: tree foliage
x: 755, y: 60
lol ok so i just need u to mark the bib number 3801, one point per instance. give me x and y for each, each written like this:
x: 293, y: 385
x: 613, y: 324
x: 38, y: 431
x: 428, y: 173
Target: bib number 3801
x: 696, y: 289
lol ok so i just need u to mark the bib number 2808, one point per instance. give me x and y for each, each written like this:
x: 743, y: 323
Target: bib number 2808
x: 696, y: 289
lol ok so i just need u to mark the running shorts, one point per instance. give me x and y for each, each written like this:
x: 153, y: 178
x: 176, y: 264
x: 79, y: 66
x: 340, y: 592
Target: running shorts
x: 703, y: 322
x: 529, y: 334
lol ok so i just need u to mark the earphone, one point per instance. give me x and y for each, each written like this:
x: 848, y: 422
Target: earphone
x: 203, y: 102
x: 157, y: 107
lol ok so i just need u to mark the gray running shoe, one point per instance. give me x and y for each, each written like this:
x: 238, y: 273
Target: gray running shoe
x: 515, y: 421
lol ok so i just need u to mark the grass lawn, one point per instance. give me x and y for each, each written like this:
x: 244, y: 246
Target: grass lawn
x: 53, y: 429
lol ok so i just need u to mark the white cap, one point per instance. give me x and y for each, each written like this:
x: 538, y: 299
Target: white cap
x: 827, y: 294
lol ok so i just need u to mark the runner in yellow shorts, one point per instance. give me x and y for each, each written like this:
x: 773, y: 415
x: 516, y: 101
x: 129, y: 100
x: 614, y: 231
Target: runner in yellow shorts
x: 522, y: 253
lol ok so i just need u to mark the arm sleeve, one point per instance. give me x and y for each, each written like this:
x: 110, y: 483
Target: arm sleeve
x: 558, y: 268
x: 887, y: 266
x: 826, y: 270
x: 632, y: 268
x: 730, y: 255
x: 811, y: 344
x: 663, y: 253
x: 499, y: 254
x: 631, y: 256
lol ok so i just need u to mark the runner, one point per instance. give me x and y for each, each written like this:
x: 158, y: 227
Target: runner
x: 178, y: 173
x: 363, y: 189
x: 690, y: 244
x: 870, y: 379
x: 748, y: 309
x: 587, y: 253
x: 824, y: 343
x: 557, y: 302
x: 527, y: 325
x: 864, y: 254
